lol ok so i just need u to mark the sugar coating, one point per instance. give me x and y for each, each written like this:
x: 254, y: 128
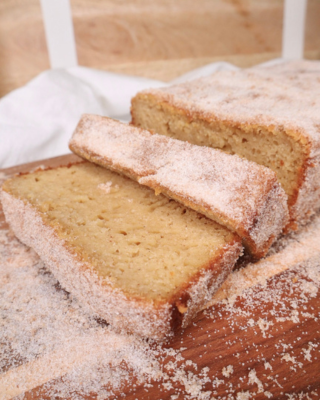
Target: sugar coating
x: 237, y: 193
x: 282, y: 98
x: 290, y: 250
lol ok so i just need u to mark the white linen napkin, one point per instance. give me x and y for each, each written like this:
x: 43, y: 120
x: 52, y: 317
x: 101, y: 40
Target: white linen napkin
x: 37, y: 120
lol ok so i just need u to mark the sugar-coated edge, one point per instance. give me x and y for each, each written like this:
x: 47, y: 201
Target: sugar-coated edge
x: 100, y: 297
x: 308, y: 196
x: 78, y: 277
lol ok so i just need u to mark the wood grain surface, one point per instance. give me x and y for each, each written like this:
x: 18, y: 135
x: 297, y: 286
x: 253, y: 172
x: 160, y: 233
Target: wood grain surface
x: 122, y: 35
x: 267, y: 345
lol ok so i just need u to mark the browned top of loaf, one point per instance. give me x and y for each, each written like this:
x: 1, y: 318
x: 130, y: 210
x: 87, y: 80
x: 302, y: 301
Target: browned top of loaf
x: 284, y: 97
x: 239, y: 194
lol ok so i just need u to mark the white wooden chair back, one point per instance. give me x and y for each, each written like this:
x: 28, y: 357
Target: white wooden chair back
x: 59, y: 33
x: 61, y: 42
x: 293, y: 29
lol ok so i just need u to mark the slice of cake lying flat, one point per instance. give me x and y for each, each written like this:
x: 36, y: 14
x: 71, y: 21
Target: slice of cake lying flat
x: 241, y: 195
x: 267, y: 115
x: 144, y: 263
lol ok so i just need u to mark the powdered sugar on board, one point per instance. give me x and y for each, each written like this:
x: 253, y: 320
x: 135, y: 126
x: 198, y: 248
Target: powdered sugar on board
x: 289, y: 251
x: 46, y: 334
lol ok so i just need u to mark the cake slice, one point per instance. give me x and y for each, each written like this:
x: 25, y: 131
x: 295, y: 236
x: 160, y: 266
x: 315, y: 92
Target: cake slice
x: 241, y: 195
x: 144, y: 263
x: 267, y: 115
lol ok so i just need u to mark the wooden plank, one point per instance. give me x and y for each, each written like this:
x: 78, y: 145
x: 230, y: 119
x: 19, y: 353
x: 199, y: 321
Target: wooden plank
x: 166, y: 70
x: 267, y: 345
x: 110, y: 33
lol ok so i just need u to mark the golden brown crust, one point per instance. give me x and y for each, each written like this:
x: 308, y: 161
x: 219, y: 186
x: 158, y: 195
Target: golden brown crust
x: 211, y: 118
x: 198, y: 115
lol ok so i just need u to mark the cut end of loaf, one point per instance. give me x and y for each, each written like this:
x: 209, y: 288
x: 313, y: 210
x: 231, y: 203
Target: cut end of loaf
x: 244, y: 197
x: 266, y: 115
x: 130, y: 256
x: 264, y: 145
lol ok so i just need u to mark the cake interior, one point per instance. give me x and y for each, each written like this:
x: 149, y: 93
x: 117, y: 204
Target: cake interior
x: 148, y: 245
x: 269, y: 147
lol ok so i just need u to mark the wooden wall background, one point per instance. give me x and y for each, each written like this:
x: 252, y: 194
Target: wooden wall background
x: 159, y: 39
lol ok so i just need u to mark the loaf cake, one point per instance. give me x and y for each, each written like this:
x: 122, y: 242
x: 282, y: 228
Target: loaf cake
x: 267, y: 115
x: 144, y: 263
x: 241, y: 195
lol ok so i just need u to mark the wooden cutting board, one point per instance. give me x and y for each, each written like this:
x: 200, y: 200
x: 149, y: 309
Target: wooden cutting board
x: 267, y: 345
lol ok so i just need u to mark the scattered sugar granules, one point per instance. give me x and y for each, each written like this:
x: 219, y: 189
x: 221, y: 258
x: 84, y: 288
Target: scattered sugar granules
x: 253, y: 379
x: 227, y: 371
x: 106, y: 187
x: 45, y: 334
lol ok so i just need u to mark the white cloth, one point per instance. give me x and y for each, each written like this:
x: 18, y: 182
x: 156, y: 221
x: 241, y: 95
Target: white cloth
x: 37, y: 120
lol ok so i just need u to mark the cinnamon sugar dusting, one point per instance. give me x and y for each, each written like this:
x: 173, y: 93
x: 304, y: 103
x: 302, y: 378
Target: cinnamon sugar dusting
x: 46, y: 334
x: 288, y: 251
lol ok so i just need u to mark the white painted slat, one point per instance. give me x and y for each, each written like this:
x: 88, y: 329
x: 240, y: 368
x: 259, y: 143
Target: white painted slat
x: 59, y: 33
x: 293, y: 29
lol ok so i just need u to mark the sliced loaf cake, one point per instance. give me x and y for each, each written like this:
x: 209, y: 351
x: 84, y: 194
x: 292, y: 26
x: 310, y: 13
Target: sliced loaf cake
x: 144, y: 263
x: 241, y: 195
x: 267, y: 115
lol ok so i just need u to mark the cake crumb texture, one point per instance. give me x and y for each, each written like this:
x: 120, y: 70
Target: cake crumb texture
x: 238, y: 194
x: 146, y: 266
